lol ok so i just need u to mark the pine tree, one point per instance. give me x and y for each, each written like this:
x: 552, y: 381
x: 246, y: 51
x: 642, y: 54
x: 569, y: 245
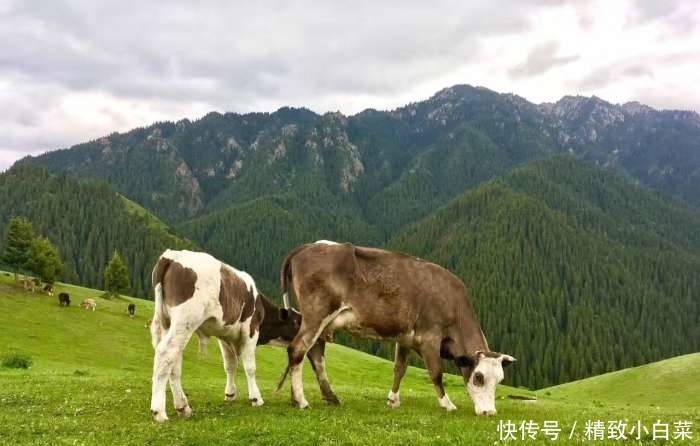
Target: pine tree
x: 44, y: 260
x: 116, y: 276
x: 20, y: 236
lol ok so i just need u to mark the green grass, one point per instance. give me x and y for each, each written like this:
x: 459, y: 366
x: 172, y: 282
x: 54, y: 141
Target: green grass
x: 89, y: 384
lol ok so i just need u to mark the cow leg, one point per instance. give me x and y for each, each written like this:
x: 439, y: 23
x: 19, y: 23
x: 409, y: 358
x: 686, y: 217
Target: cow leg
x: 400, y: 365
x: 230, y: 364
x: 316, y: 355
x: 433, y: 362
x: 167, y: 352
x: 299, y: 346
x: 309, y: 332
x: 248, y: 357
x: 179, y: 398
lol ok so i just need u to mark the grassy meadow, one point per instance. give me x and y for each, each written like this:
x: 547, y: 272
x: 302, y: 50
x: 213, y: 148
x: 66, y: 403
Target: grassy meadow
x: 89, y: 384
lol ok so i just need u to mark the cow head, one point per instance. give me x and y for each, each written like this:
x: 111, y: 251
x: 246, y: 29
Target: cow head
x: 279, y: 326
x: 482, y: 373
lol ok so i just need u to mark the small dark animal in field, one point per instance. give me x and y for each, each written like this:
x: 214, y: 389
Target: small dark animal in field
x: 131, y: 310
x: 148, y: 323
x: 63, y: 299
x: 48, y: 289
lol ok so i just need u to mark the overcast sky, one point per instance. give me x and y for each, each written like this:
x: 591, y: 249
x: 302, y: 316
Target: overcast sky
x: 72, y: 71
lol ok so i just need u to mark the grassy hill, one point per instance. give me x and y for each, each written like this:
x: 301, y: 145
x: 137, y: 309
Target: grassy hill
x: 90, y: 384
x: 668, y: 383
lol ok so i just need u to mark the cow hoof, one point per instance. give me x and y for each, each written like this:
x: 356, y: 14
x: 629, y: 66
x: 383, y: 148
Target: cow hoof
x: 301, y: 405
x: 393, y: 400
x: 332, y: 401
x: 449, y: 407
x: 230, y: 397
x: 446, y: 404
x: 256, y: 402
x: 159, y: 416
x: 184, y: 412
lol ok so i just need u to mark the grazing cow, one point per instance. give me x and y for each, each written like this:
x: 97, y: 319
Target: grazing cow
x: 28, y: 284
x: 63, y: 299
x: 88, y: 304
x: 131, y: 310
x: 196, y: 293
x: 48, y: 289
x: 386, y: 295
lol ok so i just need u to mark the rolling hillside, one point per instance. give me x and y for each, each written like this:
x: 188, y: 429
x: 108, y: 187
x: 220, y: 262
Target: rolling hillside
x: 555, y: 249
x: 90, y: 384
x: 668, y: 383
x: 87, y: 221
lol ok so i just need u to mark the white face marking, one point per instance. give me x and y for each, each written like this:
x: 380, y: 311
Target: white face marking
x: 326, y: 242
x: 490, y: 372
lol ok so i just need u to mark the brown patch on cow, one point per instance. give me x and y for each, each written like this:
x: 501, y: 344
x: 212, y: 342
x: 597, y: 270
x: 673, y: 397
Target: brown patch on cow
x: 235, y: 298
x: 159, y: 270
x: 258, y: 315
x: 478, y: 379
x: 177, y: 281
x: 491, y: 354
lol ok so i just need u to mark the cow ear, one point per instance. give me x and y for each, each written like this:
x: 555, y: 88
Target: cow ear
x: 284, y: 314
x: 507, y: 360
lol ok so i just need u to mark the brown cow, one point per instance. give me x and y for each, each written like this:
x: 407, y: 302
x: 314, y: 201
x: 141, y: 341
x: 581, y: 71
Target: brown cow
x: 379, y: 294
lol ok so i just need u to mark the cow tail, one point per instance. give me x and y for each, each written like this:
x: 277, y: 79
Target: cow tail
x: 158, y: 323
x: 286, y: 278
x: 203, y: 343
x: 281, y: 381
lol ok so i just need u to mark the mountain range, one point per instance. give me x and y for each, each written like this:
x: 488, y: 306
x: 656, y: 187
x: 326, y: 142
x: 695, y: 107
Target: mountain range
x: 574, y: 223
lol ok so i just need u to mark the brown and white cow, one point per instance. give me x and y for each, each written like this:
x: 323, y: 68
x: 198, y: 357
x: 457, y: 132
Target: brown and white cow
x: 196, y: 293
x: 386, y: 295
x: 88, y: 304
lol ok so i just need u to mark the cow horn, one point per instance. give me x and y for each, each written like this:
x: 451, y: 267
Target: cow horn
x: 285, y: 300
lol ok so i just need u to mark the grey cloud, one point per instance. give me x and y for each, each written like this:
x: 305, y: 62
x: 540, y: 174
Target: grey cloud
x: 678, y: 17
x: 300, y: 48
x: 541, y: 59
x: 605, y: 75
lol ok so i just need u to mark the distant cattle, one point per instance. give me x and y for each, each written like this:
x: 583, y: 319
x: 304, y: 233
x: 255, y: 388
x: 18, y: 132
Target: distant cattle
x: 131, y: 310
x: 380, y: 294
x: 88, y: 304
x: 148, y: 323
x: 196, y: 293
x: 48, y: 289
x: 63, y: 299
x: 28, y: 283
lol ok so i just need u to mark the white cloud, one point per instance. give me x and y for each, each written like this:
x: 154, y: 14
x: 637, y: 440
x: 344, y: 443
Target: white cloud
x: 74, y: 70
